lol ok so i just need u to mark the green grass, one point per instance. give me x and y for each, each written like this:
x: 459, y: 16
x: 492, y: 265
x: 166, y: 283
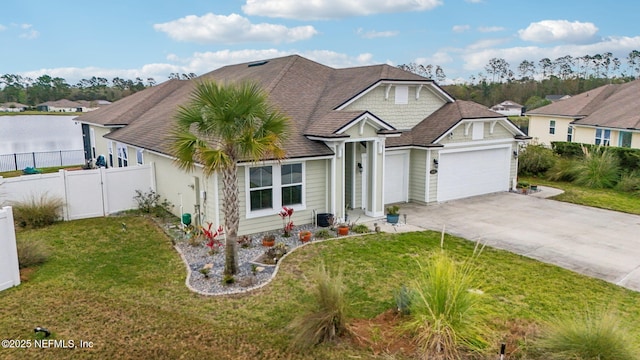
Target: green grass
x: 610, y: 199
x: 44, y: 170
x: 125, y: 292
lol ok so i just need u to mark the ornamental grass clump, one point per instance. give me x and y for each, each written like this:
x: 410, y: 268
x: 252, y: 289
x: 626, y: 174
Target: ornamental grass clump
x: 327, y: 319
x: 446, y: 316
x: 599, y: 169
x: 38, y: 211
x: 587, y: 335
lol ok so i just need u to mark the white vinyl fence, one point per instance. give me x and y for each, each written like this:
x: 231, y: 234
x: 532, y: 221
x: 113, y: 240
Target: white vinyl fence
x: 86, y: 193
x: 9, y: 268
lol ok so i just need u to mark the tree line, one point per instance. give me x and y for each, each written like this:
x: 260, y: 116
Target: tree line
x: 24, y: 90
x: 532, y: 80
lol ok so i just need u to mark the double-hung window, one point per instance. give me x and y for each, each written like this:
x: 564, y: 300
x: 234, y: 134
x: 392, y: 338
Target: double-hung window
x: 552, y: 127
x: 140, y: 156
x: 123, y: 159
x: 291, y: 175
x: 270, y: 187
x: 624, y: 139
x: 569, y: 133
x: 603, y: 137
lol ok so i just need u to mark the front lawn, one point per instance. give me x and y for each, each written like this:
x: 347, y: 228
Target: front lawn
x: 601, y: 198
x: 124, y: 291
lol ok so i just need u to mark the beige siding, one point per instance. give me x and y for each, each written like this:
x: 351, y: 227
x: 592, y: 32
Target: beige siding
x: 101, y: 143
x: 417, y: 175
x: 584, y: 135
x: 539, y: 129
x: 401, y: 116
x: 635, y: 140
x: 315, y: 189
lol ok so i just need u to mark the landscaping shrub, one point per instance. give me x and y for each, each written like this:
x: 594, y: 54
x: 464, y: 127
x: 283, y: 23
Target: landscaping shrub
x: 630, y: 182
x: 535, y: 160
x: 361, y: 229
x: 629, y: 159
x: 568, y: 149
x: 149, y: 202
x: 599, y: 169
x: 327, y: 320
x: 31, y: 253
x: 563, y: 170
x: 324, y: 234
x: 445, y: 315
x: 37, y: 211
x: 590, y: 335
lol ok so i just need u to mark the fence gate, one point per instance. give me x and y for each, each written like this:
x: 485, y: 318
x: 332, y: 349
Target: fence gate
x: 84, y: 194
x: 9, y: 269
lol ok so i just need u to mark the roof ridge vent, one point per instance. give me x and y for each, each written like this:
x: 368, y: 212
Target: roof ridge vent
x: 257, y: 63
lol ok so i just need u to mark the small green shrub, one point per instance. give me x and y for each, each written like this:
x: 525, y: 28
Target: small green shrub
x: 402, y: 298
x: 37, y: 211
x: 31, y: 253
x: 327, y: 320
x: 630, y: 182
x: 150, y: 203
x: 589, y: 335
x: 599, y: 169
x: 563, y: 170
x: 446, y: 317
x: 567, y: 149
x: 361, y: 229
x: 323, y: 234
x: 535, y: 160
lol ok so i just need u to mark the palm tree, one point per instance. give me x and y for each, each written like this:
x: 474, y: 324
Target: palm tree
x: 221, y: 125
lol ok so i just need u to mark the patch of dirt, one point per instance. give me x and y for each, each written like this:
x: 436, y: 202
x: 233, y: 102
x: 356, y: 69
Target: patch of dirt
x: 382, y: 335
x: 26, y: 273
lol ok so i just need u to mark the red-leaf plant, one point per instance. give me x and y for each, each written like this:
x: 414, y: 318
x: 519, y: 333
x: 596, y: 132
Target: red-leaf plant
x: 211, y: 237
x: 287, y: 223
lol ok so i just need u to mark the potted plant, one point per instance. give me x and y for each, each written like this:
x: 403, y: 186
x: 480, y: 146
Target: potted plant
x: 393, y: 214
x: 343, y: 229
x: 269, y: 240
x: 305, y: 236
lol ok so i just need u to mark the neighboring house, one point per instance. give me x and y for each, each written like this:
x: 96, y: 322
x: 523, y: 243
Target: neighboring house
x: 13, y: 107
x: 360, y: 137
x: 65, y: 105
x: 508, y: 108
x: 554, y: 98
x: 607, y: 115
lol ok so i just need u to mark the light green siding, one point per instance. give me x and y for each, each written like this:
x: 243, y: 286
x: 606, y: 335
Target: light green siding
x: 400, y: 116
x: 459, y: 136
x: 315, y: 188
x: 433, y: 179
x: 417, y: 175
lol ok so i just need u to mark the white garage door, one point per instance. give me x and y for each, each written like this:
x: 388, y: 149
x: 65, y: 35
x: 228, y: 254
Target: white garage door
x: 470, y: 173
x: 395, y: 177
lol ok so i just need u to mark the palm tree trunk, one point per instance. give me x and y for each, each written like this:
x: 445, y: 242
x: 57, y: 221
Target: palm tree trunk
x: 231, y: 217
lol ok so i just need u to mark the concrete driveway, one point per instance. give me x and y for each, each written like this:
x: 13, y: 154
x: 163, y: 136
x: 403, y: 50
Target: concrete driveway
x: 599, y: 243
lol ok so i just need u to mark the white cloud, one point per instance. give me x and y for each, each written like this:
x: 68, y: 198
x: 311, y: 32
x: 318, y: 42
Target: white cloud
x: 461, y: 28
x: 476, y: 58
x: 548, y: 31
x: 474, y: 1
x: 486, y: 43
x: 212, y: 28
x: 28, y: 32
x: 487, y: 29
x: 439, y: 58
x: 2, y: 27
x: 199, y: 63
x: 333, y: 9
x: 376, y: 34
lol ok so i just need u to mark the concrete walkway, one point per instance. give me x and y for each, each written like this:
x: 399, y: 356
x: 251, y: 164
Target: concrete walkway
x: 599, y: 243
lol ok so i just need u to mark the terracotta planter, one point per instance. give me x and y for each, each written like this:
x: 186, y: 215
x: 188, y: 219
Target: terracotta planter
x: 343, y: 230
x: 268, y: 242
x: 305, y: 236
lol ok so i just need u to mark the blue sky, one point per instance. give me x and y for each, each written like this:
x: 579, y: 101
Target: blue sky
x: 128, y: 39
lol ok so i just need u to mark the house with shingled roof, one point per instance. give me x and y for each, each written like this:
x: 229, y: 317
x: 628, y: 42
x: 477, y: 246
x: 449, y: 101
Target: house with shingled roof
x: 608, y: 115
x: 360, y: 138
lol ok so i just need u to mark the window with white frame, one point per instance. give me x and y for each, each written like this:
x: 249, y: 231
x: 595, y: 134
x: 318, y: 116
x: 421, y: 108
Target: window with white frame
x: 570, y: 134
x: 271, y: 187
x: 261, y: 187
x: 603, y: 137
x: 552, y: 127
x: 139, y: 156
x: 123, y: 157
x: 291, y: 175
x: 110, y: 149
x: 624, y: 139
